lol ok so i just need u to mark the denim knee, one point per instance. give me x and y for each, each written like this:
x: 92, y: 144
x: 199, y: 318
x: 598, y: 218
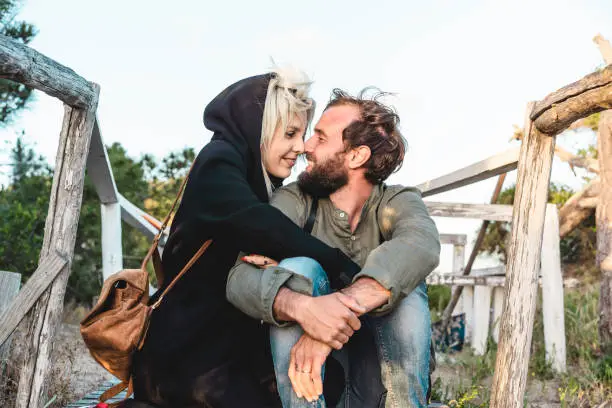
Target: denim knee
x: 310, y: 269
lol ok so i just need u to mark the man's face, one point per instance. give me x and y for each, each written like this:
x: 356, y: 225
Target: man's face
x: 327, y: 169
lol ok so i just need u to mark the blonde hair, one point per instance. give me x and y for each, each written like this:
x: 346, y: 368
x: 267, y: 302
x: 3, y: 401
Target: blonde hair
x: 287, y: 95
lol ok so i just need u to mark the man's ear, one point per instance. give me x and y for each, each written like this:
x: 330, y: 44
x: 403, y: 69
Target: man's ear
x: 359, y: 156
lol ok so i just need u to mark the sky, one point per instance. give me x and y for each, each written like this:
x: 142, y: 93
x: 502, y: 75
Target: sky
x: 461, y: 72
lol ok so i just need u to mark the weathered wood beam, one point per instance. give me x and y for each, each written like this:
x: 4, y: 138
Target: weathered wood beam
x: 487, y: 168
x: 604, y: 231
x: 20, y: 63
x: 9, y: 287
x: 453, y: 239
x: 578, y: 207
x: 494, y: 280
x: 60, y: 236
x: 522, y: 267
x: 99, y: 168
x: 490, y: 212
x: 135, y: 217
x: 560, y: 109
x: 44, y: 275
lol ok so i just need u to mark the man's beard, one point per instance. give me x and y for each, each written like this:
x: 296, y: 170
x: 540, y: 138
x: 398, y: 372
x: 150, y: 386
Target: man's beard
x: 325, y: 178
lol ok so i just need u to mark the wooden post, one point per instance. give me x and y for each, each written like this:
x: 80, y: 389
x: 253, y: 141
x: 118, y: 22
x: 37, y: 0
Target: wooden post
x: 522, y: 268
x: 552, y: 292
x: 9, y: 286
x: 112, y: 253
x: 498, y: 306
x: 468, y: 309
x: 604, y: 231
x: 60, y: 235
x: 603, y: 214
x: 458, y: 264
x: 482, y: 315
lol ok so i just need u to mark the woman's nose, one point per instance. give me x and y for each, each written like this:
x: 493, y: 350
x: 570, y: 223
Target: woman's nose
x: 298, y: 147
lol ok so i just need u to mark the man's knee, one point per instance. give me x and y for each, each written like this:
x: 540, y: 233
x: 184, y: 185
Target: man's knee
x: 310, y: 269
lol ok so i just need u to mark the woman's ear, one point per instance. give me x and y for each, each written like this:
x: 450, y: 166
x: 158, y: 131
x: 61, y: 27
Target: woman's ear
x: 359, y: 156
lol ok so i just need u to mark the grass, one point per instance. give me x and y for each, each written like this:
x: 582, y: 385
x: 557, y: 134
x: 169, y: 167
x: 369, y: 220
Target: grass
x: 588, y: 381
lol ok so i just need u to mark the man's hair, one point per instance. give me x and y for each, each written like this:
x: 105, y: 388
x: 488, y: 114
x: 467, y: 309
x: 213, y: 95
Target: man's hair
x: 377, y: 129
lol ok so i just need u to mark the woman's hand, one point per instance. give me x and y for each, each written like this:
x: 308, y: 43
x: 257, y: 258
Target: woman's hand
x: 259, y: 261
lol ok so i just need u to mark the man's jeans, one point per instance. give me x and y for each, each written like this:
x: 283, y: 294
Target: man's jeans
x: 402, y: 339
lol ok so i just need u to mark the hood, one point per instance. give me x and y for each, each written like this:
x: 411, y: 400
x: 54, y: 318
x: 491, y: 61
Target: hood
x: 236, y: 116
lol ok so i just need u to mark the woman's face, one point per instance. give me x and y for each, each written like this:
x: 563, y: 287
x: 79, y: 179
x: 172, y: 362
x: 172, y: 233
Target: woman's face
x: 285, y: 146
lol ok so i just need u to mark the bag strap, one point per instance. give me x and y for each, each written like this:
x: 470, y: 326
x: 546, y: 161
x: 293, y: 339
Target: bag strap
x: 193, y: 260
x: 157, y: 237
x: 312, y: 215
x: 153, y: 252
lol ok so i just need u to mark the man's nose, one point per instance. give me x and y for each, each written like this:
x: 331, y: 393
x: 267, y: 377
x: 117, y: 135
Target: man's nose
x: 309, y: 145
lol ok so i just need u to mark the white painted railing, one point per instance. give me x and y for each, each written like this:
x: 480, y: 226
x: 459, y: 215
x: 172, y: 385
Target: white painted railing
x: 482, y: 299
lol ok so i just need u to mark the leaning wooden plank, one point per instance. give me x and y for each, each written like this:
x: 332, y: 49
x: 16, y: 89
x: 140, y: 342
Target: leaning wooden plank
x: 99, y: 168
x: 135, y: 217
x: 490, y: 167
x: 21, y: 63
x: 522, y: 267
x: 60, y: 236
x: 489, y: 212
x: 50, y: 267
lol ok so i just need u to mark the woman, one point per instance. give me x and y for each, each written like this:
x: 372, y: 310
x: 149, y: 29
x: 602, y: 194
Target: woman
x: 200, y: 350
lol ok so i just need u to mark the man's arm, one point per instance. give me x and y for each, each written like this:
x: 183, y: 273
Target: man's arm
x: 410, y: 253
x: 277, y: 295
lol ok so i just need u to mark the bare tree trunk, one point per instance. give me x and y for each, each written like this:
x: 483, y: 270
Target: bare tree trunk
x: 604, y: 231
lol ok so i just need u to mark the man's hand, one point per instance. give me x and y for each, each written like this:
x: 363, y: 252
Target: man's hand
x: 307, y: 358
x: 331, y: 319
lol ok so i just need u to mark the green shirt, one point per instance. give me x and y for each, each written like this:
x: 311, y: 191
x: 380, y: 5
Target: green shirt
x: 409, y: 252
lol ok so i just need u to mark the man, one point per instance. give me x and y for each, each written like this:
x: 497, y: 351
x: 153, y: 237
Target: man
x: 387, y: 230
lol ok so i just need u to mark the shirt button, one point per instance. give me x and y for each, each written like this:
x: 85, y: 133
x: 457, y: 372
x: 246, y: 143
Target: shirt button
x: 341, y: 215
x: 353, y: 238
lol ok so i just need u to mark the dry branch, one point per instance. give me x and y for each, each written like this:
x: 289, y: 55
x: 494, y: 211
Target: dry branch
x: 560, y: 109
x: 578, y: 207
x: 22, y: 64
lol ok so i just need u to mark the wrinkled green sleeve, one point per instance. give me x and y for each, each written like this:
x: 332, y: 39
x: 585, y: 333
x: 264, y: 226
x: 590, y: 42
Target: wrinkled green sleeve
x: 411, y: 250
x: 253, y: 290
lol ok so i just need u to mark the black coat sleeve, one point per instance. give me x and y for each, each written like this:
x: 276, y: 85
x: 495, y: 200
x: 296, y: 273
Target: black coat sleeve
x: 219, y: 201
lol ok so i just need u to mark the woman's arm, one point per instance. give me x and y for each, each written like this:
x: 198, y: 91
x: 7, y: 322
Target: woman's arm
x: 219, y: 199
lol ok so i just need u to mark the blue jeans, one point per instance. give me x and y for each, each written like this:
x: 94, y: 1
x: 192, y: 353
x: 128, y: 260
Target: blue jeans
x: 402, y: 339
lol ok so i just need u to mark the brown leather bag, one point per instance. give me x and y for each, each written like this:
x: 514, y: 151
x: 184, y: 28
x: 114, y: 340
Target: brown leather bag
x: 117, y: 325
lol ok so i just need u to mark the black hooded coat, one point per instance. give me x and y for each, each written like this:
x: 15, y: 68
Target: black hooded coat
x: 200, y: 350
